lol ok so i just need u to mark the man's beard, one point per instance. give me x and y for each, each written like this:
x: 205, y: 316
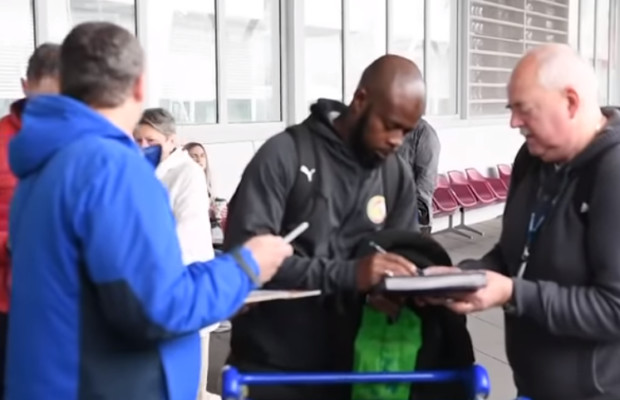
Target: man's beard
x: 366, y: 157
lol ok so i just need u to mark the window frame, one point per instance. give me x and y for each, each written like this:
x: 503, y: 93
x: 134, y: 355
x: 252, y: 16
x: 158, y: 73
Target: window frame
x: 292, y: 97
x: 222, y: 130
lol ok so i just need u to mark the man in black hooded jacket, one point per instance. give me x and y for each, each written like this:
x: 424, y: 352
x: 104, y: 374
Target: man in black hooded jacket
x: 556, y: 267
x: 349, y: 199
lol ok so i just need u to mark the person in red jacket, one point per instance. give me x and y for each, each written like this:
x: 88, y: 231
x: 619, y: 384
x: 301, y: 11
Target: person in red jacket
x: 41, y: 78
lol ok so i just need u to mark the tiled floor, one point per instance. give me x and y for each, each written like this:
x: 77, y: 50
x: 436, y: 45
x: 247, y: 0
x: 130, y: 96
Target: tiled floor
x: 486, y: 328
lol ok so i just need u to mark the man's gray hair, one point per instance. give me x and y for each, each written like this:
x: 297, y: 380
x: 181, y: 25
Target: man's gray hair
x: 562, y: 66
x: 159, y: 119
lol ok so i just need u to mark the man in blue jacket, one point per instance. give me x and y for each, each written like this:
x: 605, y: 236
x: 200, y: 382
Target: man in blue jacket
x: 102, y: 305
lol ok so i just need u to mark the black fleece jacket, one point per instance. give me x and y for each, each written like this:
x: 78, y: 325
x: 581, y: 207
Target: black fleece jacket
x: 563, y: 341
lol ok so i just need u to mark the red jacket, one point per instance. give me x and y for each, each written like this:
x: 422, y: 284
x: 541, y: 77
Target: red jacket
x: 9, y: 125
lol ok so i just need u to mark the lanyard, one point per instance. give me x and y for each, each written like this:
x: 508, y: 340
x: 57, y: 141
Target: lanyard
x: 542, y: 209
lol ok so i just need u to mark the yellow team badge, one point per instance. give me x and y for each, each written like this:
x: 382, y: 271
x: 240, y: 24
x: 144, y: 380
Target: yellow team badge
x: 376, y: 209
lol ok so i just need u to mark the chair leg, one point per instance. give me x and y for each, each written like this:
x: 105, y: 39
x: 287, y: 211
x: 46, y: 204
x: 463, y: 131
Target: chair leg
x: 452, y: 229
x: 460, y: 233
x: 470, y: 229
x: 462, y: 225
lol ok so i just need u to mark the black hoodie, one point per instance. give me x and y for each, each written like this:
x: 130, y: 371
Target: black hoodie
x: 295, y: 335
x: 563, y: 337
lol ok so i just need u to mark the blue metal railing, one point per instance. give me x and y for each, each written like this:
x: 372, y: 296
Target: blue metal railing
x: 234, y: 383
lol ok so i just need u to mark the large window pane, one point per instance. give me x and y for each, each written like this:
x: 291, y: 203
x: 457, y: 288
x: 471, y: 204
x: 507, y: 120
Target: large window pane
x: 407, y: 30
x: 602, y: 48
x: 366, y: 39
x: 441, y: 57
x: 586, y: 29
x: 55, y: 18
x: 251, y: 49
x: 120, y: 12
x: 323, y: 49
x: 16, y: 45
x: 500, y: 31
x: 180, y: 51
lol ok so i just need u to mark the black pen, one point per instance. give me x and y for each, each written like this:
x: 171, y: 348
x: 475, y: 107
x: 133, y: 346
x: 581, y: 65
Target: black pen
x: 383, y: 251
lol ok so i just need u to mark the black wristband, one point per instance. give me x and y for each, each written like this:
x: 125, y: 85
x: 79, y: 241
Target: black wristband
x: 236, y: 253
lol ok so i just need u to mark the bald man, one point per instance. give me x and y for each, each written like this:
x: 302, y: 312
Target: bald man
x: 556, y: 268
x: 329, y: 170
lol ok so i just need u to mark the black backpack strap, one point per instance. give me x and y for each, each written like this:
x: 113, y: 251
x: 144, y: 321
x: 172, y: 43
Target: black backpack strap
x: 302, y: 192
x: 391, y: 177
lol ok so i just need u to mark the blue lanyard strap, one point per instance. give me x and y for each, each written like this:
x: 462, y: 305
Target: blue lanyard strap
x: 545, y: 203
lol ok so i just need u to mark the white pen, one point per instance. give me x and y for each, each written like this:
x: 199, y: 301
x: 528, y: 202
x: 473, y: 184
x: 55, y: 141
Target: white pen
x: 292, y: 235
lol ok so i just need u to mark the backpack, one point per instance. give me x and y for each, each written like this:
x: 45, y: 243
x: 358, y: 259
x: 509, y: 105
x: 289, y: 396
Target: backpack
x: 302, y: 193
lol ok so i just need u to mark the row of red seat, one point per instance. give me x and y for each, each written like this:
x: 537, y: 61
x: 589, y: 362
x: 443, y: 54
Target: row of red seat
x: 460, y: 191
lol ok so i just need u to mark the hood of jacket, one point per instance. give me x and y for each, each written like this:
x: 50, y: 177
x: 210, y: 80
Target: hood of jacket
x: 607, y: 138
x: 52, y: 122
x: 321, y: 123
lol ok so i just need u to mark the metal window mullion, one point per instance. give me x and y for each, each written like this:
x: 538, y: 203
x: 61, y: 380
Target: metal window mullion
x: 464, y: 59
x: 611, y: 31
x: 33, y: 9
x: 426, y: 46
x: 345, y: 48
x: 220, y: 54
x: 294, y: 55
x: 389, y: 21
x: 454, y: 38
x: 595, y: 36
x: 279, y: 59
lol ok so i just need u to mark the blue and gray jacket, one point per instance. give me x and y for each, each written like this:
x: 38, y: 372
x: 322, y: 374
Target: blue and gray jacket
x: 102, y: 305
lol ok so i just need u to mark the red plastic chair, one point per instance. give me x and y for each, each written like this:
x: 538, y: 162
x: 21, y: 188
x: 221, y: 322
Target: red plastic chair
x: 481, y: 191
x: 495, y: 185
x: 505, y: 172
x: 445, y: 203
x: 463, y: 194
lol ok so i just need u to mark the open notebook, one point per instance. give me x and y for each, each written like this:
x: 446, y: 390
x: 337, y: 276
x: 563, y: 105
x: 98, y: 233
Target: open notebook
x: 256, y: 296
x: 437, y: 284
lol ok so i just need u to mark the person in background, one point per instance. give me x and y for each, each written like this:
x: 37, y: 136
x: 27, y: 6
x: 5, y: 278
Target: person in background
x: 198, y: 153
x: 355, y: 186
x: 218, y: 206
x: 184, y: 180
x: 189, y: 199
x: 556, y: 267
x: 421, y: 150
x: 41, y: 78
x: 102, y: 304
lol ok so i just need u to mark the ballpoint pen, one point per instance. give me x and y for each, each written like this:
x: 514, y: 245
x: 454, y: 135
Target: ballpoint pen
x: 381, y: 250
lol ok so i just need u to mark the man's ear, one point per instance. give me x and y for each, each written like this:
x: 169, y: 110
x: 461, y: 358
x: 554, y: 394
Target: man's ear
x: 358, y: 104
x: 572, y: 101
x: 24, y: 84
x: 139, y: 92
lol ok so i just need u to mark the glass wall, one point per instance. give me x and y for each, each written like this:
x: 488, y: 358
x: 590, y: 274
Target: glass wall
x: 221, y: 62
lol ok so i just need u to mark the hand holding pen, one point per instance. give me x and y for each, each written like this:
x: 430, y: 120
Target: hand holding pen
x: 381, y: 250
x: 374, y: 267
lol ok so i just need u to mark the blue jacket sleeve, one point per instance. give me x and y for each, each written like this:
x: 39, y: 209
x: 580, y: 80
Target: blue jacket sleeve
x: 133, y: 258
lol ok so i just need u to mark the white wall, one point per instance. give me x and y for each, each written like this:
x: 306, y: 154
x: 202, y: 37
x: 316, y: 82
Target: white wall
x: 480, y: 144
